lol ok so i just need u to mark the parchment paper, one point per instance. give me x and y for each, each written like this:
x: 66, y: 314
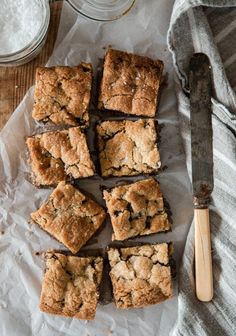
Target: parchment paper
x: 143, y: 31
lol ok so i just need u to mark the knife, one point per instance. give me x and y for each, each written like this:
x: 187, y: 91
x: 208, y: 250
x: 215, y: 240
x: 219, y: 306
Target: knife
x: 202, y: 170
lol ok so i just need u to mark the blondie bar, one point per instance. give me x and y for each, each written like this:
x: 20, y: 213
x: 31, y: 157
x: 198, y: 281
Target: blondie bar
x: 136, y: 209
x: 59, y: 155
x: 140, y: 275
x: 128, y: 148
x: 130, y: 83
x: 70, y: 285
x: 69, y: 216
x: 62, y: 94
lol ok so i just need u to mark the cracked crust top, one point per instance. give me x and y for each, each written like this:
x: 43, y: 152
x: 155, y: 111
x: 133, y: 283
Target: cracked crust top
x: 62, y: 94
x: 140, y: 275
x: 69, y: 216
x: 130, y: 83
x: 57, y: 156
x: 70, y: 285
x: 136, y: 209
x: 128, y: 147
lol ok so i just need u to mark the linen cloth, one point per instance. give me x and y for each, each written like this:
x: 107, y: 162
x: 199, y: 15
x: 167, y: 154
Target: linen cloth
x: 210, y: 27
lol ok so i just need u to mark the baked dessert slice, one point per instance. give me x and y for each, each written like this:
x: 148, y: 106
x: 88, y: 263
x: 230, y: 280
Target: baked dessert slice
x: 58, y: 156
x: 69, y: 216
x: 136, y: 209
x: 140, y: 275
x: 62, y: 94
x: 128, y: 147
x: 70, y: 285
x: 130, y: 83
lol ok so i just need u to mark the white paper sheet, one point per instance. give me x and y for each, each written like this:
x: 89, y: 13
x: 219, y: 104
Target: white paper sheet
x: 143, y: 31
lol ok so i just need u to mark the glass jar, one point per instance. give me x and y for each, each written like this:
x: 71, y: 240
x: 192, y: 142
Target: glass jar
x: 28, y: 52
x: 102, y: 10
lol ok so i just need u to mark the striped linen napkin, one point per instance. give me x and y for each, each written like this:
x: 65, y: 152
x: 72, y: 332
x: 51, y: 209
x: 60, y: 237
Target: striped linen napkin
x: 210, y: 27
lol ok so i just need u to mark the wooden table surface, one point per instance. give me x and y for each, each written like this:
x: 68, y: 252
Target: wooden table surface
x: 15, y: 81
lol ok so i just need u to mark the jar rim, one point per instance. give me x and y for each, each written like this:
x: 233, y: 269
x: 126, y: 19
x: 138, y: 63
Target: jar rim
x: 92, y: 12
x: 31, y: 46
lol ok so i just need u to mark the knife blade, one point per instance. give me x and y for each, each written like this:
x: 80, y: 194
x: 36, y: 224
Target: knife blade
x: 202, y: 169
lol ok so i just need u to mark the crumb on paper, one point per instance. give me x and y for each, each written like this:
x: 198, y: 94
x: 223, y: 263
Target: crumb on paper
x: 164, y: 167
x: 107, y: 47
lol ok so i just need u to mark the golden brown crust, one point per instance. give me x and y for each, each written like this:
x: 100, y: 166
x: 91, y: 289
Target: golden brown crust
x: 70, y: 285
x: 62, y: 94
x: 136, y: 209
x: 56, y: 156
x: 130, y: 83
x: 69, y: 216
x: 128, y: 147
x: 140, y: 275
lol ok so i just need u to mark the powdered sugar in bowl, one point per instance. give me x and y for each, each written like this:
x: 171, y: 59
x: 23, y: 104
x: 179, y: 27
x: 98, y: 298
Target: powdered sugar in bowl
x: 23, y: 30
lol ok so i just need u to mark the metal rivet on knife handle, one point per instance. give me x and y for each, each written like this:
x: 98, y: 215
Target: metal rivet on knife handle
x: 202, y: 170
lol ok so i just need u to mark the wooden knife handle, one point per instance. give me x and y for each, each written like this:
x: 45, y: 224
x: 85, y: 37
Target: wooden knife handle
x: 203, y: 260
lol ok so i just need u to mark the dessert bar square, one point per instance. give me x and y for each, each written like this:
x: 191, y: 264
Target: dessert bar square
x: 128, y: 147
x: 130, y: 83
x: 136, y: 209
x: 140, y: 275
x: 62, y: 94
x: 59, y: 155
x: 69, y: 216
x: 70, y: 285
